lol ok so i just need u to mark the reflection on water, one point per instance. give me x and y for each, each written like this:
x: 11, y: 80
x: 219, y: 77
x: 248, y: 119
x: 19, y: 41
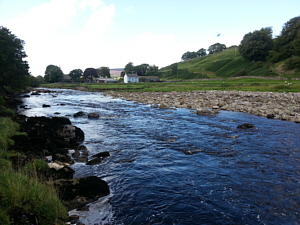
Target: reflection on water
x: 175, y: 167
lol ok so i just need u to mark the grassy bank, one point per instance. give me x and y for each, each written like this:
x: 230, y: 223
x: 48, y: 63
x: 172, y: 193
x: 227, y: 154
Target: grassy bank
x: 24, y: 199
x: 240, y: 84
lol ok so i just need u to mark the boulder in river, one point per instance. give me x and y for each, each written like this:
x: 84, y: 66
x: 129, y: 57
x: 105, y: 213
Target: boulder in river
x: 93, y: 115
x: 75, y: 193
x: 79, y: 114
x: 246, y: 126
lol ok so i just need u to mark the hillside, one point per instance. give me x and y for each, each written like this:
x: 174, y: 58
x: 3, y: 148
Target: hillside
x: 228, y: 63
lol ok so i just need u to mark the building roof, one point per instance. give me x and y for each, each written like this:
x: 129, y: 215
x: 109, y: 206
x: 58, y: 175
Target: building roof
x: 131, y: 75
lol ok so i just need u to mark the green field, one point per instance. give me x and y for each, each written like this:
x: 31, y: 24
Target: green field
x: 240, y: 84
x: 228, y: 63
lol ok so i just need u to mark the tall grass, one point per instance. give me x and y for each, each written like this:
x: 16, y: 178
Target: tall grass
x: 22, y: 194
x: 18, y: 190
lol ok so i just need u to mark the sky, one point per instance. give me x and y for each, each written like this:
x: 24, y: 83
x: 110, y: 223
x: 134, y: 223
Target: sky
x: 78, y: 34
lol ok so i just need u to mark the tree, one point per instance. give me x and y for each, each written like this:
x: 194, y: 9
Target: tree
x: 141, y: 69
x: 104, y: 72
x: 188, y: 55
x: 53, y: 74
x: 291, y: 29
x: 201, y: 52
x: 217, y: 47
x: 129, y: 68
x: 40, y: 79
x: 76, y: 74
x: 14, y: 72
x: 90, y: 73
x: 152, y: 70
x: 287, y: 43
x: 256, y: 46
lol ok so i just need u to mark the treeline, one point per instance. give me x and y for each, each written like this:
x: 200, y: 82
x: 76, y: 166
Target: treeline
x: 260, y: 46
x: 217, y: 47
x: 55, y: 74
x: 141, y: 70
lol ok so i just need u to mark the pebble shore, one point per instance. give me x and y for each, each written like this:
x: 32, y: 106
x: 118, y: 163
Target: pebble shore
x: 284, y: 106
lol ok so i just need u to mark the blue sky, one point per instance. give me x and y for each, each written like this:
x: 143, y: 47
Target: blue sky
x: 76, y: 34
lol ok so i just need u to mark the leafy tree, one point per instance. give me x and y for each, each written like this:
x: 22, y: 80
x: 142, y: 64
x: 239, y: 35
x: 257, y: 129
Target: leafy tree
x: 256, y: 46
x: 40, y: 79
x: 217, y: 47
x: 188, y: 55
x: 53, y: 74
x: 104, y: 71
x: 201, y: 52
x: 75, y: 74
x: 152, y: 70
x: 287, y: 43
x: 34, y: 82
x: 291, y: 29
x: 141, y: 69
x: 129, y: 68
x: 90, y: 73
x: 14, y: 72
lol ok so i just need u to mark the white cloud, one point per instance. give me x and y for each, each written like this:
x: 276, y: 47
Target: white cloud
x: 57, y: 33
x: 98, y: 22
x: 94, y: 4
x: 152, y: 49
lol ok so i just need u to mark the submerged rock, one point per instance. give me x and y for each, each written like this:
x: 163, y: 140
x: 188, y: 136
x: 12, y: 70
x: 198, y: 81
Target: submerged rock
x: 93, y: 115
x: 246, y: 126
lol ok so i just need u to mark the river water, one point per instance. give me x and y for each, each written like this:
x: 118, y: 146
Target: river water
x: 175, y: 167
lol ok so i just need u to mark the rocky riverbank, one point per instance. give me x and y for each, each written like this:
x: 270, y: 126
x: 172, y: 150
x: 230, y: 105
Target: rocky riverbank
x: 284, y: 106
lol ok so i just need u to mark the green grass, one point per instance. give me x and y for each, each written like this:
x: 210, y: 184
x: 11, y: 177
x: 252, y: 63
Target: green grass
x: 239, y: 84
x: 228, y: 63
x: 21, y: 192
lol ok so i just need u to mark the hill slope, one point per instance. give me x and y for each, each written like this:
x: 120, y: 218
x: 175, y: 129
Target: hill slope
x: 228, y: 63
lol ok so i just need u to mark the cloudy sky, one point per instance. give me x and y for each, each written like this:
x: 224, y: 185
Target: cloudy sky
x: 76, y: 34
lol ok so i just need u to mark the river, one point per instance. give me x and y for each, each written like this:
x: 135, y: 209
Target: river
x: 175, y: 167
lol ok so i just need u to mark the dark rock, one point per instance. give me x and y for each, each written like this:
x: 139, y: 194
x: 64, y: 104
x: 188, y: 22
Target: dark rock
x: 79, y: 114
x: 63, y: 158
x: 102, y: 155
x: 71, y: 134
x: 245, y: 126
x: 82, y: 158
x: 76, y: 154
x: 82, y: 148
x: 75, y: 193
x: 93, y: 115
x: 270, y: 116
x: 94, y: 161
x: 51, y: 135
x: 45, y: 105
x: 63, y: 173
x: 26, y: 96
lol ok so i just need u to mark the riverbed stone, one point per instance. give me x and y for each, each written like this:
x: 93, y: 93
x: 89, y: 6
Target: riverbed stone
x: 285, y: 106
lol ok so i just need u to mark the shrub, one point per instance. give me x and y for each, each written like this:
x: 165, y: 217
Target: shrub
x: 292, y: 63
x: 7, y: 112
x: 242, y: 72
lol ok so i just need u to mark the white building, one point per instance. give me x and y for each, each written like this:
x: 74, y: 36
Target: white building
x: 131, y: 78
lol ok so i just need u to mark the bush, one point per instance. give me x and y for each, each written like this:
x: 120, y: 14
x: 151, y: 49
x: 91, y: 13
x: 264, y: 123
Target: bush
x: 292, y: 63
x: 7, y: 112
x: 240, y: 73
